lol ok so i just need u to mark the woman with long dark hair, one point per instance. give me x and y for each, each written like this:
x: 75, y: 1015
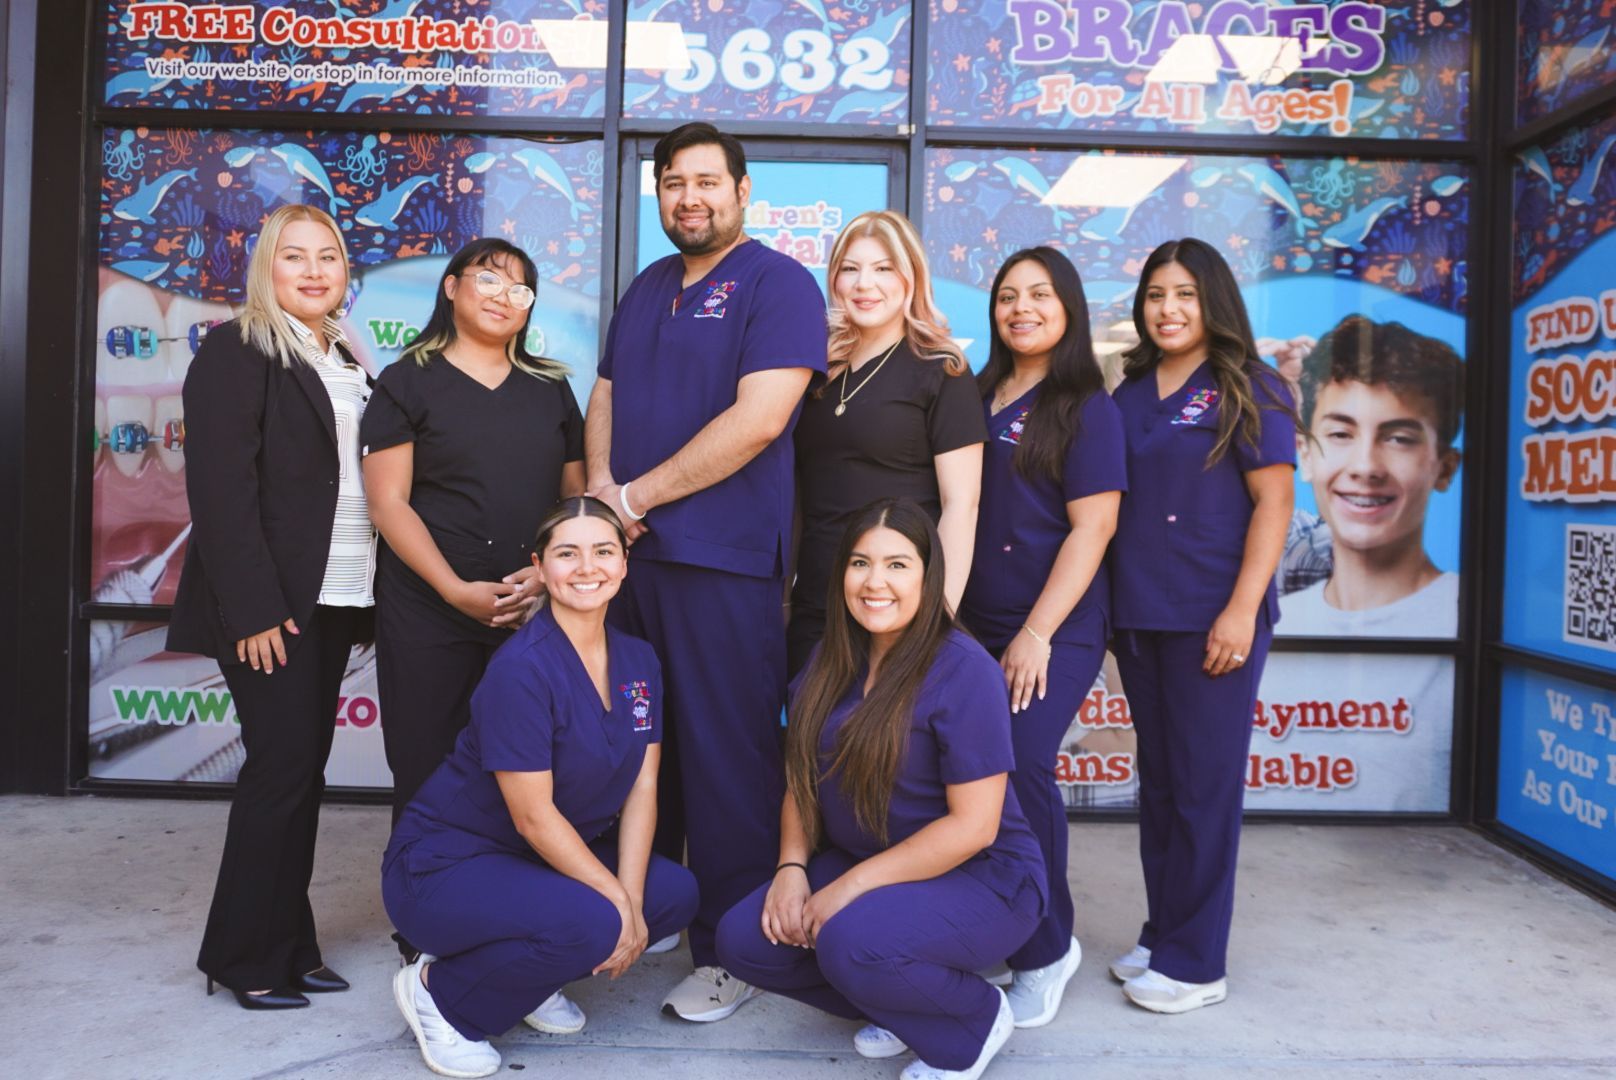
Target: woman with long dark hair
x: 1039, y: 595
x: 895, y: 417
x: 524, y: 862
x: 276, y: 587
x: 1211, y: 434
x: 905, y: 863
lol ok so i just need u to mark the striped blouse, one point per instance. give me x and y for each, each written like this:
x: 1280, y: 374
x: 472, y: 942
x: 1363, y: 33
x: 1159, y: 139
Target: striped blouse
x: 350, y: 569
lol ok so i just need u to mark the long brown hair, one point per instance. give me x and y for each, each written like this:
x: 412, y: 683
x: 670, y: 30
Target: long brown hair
x: 1231, y: 348
x: 1074, y: 374
x: 871, y: 743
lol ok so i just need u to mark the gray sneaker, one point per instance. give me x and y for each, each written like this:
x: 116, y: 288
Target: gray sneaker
x: 709, y: 993
x: 1035, y: 996
x: 1131, y: 964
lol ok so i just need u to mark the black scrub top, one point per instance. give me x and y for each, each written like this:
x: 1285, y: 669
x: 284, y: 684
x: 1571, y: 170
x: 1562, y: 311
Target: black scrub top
x: 487, y: 461
x: 884, y: 444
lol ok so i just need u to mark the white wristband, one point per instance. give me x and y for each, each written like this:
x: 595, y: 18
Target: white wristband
x: 622, y: 501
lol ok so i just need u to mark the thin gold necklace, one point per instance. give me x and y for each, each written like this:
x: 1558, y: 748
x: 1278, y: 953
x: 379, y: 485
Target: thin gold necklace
x: 841, y: 406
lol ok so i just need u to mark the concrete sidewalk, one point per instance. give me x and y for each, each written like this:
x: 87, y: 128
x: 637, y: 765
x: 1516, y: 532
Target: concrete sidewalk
x: 1358, y: 952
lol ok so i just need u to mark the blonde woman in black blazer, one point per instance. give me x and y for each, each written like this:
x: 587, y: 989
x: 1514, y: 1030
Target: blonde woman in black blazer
x: 277, y: 587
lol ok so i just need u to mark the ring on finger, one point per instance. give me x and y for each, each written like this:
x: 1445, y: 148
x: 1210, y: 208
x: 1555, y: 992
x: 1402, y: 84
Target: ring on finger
x: 1237, y: 658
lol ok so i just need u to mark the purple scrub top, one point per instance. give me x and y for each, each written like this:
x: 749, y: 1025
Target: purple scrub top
x: 960, y: 732
x: 1181, y: 535
x: 674, y: 370
x: 1021, y: 522
x: 536, y: 710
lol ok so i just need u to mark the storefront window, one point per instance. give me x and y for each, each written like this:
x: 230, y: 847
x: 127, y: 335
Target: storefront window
x: 157, y: 715
x: 1560, y: 539
x: 1314, y: 243
x: 539, y: 58
x: 1566, y: 48
x: 1556, y: 772
x: 180, y: 211
x: 784, y: 63
x: 1398, y: 69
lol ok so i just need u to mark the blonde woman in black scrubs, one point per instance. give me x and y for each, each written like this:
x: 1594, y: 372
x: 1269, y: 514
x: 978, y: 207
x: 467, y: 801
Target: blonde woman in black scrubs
x: 896, y: 416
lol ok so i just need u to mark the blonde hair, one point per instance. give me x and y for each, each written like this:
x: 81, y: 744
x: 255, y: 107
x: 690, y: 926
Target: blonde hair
x: 924, y: 326
x: 264, y: 322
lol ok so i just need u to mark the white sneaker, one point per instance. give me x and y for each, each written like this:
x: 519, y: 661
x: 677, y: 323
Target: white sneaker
x: 873, y: 1041
x: 709, y: 993
x: 445, y: 1051
x: 1035, y: 996
x: 1159, y: 993
x: 1131, y: 964
x: 559, y: 1015
x: 667, y: 944
x: 1003, y: 1025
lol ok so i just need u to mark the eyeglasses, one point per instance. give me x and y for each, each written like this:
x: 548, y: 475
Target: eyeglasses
x: 491, y: 285
x: 141, y: 341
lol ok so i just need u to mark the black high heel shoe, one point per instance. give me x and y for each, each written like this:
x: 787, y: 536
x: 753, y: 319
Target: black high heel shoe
x: 284, y: 997
x: 322, y: 980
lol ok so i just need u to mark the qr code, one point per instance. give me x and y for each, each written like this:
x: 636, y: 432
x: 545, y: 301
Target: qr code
x: 1590, y: 586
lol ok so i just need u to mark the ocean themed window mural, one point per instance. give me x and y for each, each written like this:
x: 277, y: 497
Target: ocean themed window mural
x: 180, y: 211
x: 537, y: 58
x: 1317, y: 244
x: 1560, y: 526
x: 831, y: 61
x: 1567, y: 48
x: 1392, y: 69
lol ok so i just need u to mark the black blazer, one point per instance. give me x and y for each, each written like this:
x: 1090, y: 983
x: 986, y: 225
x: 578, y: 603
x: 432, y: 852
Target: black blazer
x: 261, y: 473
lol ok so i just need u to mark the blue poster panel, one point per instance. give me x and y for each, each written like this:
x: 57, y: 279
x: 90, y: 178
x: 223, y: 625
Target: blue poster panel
x: 1557, y: 765
x: 537, y: 58
x: 1560, y: 531
x: 797, y: 208
x: 1389, y: 69
x: 778, y: 60
x: 1566, y: 48
x: 1312, y: 242
x: 179, y: 214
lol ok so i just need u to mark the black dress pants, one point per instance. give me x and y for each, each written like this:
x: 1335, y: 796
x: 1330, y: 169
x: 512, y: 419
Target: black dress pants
x: 426, y: 669
x: 260, y: 931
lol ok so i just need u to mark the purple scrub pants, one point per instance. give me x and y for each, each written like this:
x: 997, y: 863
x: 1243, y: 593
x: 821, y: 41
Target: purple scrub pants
x: 1194, y: 736
x: 901, y: 956
x: 721, y: 640
x: 1037, y: 733
x: 509, y: 931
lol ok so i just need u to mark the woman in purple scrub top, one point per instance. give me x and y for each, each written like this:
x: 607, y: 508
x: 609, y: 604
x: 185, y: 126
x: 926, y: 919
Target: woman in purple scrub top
x: 905, y: 863
x: 1211, y: 436
x: 1039, y: 594
x: 524, y: 862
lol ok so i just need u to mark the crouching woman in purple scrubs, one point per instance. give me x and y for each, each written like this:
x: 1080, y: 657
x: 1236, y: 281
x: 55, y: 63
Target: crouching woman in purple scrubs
x: 506, y: 869
x: 905, y: 862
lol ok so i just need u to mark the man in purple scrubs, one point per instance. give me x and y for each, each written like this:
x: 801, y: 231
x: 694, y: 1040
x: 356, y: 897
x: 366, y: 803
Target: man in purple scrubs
x: 688, y: 435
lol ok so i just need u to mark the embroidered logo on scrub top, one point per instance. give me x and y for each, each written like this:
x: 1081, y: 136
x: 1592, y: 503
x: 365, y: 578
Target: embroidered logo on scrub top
x: 718, y: 294
x: 1196, y: 407
x: 638, y: 694
x: 1018, y: 424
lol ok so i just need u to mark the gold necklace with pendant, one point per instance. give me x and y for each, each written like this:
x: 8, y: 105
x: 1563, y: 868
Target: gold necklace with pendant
x: 841, y: 405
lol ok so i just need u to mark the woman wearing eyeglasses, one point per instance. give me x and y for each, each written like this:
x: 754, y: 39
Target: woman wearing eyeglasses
x: 469, y: 440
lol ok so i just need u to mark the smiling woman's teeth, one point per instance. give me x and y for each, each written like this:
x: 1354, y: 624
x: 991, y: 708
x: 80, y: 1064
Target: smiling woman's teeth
x: 590, y: 587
